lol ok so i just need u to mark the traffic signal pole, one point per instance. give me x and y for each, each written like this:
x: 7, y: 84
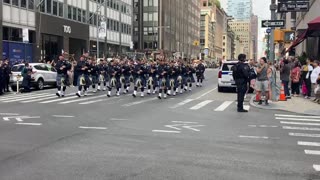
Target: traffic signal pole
x: 273, y: 8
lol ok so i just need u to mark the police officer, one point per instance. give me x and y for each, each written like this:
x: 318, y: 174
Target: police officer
x: 241, y: 77
x: 7, y: 73
x: 1, y: 77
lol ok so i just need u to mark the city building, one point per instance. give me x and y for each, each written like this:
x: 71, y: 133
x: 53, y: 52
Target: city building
x: 207, y: 30
x: 53, y: 26
x: 242, y: 30
x: 254, y: 36
x: 239, y: 9
x: 172, y: 26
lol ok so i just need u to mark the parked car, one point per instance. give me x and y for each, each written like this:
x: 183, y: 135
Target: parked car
x: 43, y: 75
x: 225, y: 77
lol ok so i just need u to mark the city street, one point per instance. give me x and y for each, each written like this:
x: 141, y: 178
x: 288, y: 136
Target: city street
x: 197, y: 135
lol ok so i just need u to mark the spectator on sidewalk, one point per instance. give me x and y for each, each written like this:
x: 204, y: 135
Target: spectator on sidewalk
x: 262, y: 82
x: 306, y: 73
x: 285, y: 76
x: 272, y: 76
x: 295, y: 79
x: 314, y: 78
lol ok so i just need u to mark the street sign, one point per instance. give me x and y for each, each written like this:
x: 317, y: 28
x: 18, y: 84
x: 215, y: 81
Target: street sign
x: 268, y: 31
x: 272, y: 23
x: 293, y: 7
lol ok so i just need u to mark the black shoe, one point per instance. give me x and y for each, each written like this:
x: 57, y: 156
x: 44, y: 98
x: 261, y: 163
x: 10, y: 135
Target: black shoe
x: 62, y: 95
x: 159, y: 97
x: 58, y: 94
x: 260, y: 102
x: 243, y: 111
x: 134, y: 95
x: 108, y: 95
x: 78, y: 94
x: 267, y: 103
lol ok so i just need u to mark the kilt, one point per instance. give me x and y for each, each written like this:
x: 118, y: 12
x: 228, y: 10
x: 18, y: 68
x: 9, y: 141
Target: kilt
x: 59, y: 78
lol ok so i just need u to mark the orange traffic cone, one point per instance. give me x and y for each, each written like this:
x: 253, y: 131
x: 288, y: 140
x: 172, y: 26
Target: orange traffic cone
x: 282, y: 94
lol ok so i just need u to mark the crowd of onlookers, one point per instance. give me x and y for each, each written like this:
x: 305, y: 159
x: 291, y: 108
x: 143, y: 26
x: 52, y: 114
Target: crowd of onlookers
x: 5, y: 71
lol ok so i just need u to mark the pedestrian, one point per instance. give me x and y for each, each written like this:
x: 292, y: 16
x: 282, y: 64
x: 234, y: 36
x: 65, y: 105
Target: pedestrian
x: 272, y: 76
x: 26, y: 74
x: 306, y: 74
x: 7, y: 74
x: 252, y: 75
x: 62, y: 68
x: 295, y: 79
x: 314, y: 77
x: 285, y: 76
x: 241, y: 77
x: 262, y: 82
x: 1, y: 77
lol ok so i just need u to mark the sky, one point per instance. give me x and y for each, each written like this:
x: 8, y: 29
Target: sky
x: 261, y: 9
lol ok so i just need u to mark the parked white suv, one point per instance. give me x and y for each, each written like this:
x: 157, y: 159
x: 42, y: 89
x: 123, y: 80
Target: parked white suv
x: 43, y: 75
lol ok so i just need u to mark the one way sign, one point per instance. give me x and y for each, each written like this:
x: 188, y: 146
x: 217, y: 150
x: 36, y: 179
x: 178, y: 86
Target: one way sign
x: 272, y: 23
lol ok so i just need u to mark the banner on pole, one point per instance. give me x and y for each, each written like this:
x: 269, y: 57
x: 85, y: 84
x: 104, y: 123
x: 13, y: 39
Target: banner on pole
x: 103, y: 29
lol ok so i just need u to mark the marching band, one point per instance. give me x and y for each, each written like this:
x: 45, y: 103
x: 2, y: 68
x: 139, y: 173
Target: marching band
x: 166, y: 77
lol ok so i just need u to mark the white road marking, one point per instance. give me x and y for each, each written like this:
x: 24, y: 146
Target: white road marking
x: 263, y: 126
x: 224, y: 106
x: 116, y: 119
x: 19, y: 118
x: 97, y: 128
x: 174, y: 126
x: 62, y: 116
x: 298, y: 123
x: 186, y: 122
x: 303, y: 143
x: 37, y: 100
x: 301, y: 128
x: 298, y: 119
x: 17, y: 96
x: 304, y: 135
x: 294, y: 116
x: 9, y: 114
x: 246, y: 107
x: 83, y: 99
x: 91, y: 102
x: 30, y: 124
x: 201, y: 105
x: 164, y: 131
x: 254, y: 137
x: 207, y: 93
x: 27, y: 98
x: 311, y: 152
x: 316, y: 167
x: 182, y: 103
x: 192, y: 127
x: 59, y: 99
x: 139, y: 102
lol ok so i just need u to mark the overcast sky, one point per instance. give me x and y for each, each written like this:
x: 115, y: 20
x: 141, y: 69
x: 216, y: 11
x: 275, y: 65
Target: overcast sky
x: 261, y: 9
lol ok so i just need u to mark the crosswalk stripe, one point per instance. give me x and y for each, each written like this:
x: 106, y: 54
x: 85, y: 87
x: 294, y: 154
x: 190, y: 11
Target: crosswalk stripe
x: 139, y: 102
x: 224, y: 106
x: 301, y: 128
x: 246, y: 107
x: 316, y: 167
x: 27, y: 98
x: 295, y: 116
x: 201, y: 105
x: 304, y: 135
x: 312, y: 152
x: 18, y: 96
x: 37, y: 100
x: 303, y: 143
x: 59, y: 99
x: 298, y: 119
x: 83, y: 99
x: 91, y: 102
x: 182, y: 103
x: 298, y: 123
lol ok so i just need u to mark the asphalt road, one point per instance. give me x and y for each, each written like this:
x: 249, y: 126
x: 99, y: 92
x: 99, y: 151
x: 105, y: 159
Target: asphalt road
x: 197, y: 135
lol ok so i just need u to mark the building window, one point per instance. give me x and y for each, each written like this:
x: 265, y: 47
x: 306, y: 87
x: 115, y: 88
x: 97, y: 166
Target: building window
x: 61, y: 9
x: 74, y: 13
x: 49, y: 6
x: 204, y: 4
x: 69, y: 12
x: 15, y: 2
x: 7, y: 1
x: 84, y: 16
x: 23, y: 3
x: 55, y: 8
x: 79, y: 15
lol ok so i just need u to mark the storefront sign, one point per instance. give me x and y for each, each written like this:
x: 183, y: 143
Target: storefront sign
x: 293, y: 7
x: 66, y: 29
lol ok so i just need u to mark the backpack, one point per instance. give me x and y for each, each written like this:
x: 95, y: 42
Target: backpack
x: 235, y: 72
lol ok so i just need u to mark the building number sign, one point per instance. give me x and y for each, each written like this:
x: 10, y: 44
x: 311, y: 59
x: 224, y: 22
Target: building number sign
x: 67, y: 29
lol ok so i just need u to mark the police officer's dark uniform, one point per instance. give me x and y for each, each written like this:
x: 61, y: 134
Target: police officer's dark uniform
x: 1, y: 78
x: 241, y: 77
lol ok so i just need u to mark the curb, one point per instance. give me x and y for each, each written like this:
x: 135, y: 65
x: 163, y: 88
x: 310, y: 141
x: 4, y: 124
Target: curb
x: 277, y: 109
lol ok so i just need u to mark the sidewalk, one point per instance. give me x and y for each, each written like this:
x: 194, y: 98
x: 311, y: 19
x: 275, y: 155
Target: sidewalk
x: 295, y: 105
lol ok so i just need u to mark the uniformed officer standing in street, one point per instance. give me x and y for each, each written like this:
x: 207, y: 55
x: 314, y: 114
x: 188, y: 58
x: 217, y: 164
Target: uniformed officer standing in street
x: 240, y: 73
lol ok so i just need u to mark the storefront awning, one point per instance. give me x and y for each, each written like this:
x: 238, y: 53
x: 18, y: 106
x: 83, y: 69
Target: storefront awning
x: 314, y: 25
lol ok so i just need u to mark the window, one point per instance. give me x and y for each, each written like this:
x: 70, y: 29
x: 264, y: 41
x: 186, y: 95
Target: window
x: 15, y: 2
x: 155, y: 16
x: 108, y: 23
x: 74, y: 13
x: 145, y: 16
x: 84, y: 16
x: 61, y: 9
x: 204, y: 4
x: 69, y: 12
x: 49, y: 6
x: 7, y: 1
x: 79, y: 15
x: 55, y: 8
x: 23, y: 3
x: 145, y: 3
